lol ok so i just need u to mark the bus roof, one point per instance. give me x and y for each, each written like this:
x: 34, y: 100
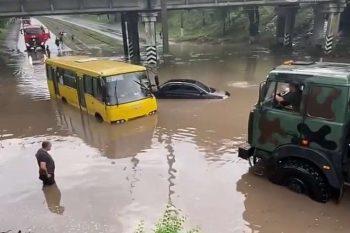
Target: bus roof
x: 94, y: 66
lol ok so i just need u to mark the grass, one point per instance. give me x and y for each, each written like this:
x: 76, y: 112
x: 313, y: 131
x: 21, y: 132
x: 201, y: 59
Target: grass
x: 3, y: 30
x: 208, y: 25
x: 84, y: 39
x: 171, y: 222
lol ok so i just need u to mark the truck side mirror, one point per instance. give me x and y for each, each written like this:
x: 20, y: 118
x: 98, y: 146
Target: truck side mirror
x: 262, y: 91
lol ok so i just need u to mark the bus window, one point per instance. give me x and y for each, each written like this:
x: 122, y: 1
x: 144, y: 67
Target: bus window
x: 97, y: 89
x: 59, y: 75
x: 88, y: 85
x: 49, y: 72
x: 69, y: 79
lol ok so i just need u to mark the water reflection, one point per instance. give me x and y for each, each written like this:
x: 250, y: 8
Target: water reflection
x: 114, y: 141
x: 53, y: 199
x: 166, y: 139
x: 252, y: 61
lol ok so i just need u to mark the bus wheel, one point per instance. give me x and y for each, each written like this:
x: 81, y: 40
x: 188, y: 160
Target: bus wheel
x: 98, y: 117
x: 64, y: 100
x: 302, y: 177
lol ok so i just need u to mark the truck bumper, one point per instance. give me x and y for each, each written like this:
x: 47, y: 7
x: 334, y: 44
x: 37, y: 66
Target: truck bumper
x: 245, y: 151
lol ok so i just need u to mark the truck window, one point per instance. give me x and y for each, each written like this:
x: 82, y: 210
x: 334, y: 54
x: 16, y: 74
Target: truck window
x: 283, y: 96
x: 320, y: 102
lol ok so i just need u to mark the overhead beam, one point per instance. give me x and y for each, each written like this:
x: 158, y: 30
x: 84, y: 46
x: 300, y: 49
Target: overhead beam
x: 111, y: 6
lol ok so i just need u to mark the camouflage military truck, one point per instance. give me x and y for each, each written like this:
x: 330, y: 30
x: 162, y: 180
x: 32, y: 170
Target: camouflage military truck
x: 299, y: 129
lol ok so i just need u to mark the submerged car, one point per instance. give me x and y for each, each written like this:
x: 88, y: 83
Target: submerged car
x: 188, y: 89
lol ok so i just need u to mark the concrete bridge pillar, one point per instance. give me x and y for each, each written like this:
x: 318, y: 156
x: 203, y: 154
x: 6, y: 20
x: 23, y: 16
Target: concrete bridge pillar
x: 149, y: 20
x: 285, y: 24
x: 333, y: 20
x: 253, y: 15
x: 332, y: 13
x: 319, y: 27
x: 130, y: 32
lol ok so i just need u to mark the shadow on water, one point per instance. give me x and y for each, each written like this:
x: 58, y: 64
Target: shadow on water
x: 273, y: 208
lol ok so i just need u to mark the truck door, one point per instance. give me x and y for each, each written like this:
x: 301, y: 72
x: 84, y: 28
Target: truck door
x: 274, y: 124
x: 323, y: 127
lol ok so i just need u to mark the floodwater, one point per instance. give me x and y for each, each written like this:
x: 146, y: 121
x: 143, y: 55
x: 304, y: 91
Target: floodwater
x: 110, y: 177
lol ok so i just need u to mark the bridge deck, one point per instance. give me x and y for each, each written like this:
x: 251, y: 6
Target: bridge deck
x: 10, y: 8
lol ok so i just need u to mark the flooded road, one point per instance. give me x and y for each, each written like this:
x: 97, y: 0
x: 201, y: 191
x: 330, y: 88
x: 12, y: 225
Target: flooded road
x: 110, y: 177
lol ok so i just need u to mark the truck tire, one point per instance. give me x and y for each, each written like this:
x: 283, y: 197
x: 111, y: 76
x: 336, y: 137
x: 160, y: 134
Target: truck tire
x: 302, y: 177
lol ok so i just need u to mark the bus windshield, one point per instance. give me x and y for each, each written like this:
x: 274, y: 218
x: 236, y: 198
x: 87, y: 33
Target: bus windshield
x: 124, y: 88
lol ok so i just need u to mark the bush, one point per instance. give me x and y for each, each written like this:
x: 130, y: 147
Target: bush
x: 171, y: 222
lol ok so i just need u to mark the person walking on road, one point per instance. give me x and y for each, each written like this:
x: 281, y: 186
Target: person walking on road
x: 46, y: 164
x: 57, y: 43
x: 48, y: 52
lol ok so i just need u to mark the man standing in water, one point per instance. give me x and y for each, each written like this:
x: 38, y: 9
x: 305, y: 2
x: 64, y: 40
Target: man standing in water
x: 46, y: 164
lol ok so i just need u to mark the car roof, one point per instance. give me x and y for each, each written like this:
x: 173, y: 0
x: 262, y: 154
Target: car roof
x: 322, y: 72
x: 190, y: 81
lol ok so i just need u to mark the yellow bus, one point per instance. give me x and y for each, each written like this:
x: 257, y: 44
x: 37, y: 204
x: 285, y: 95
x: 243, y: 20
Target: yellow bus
x: 111, y: 91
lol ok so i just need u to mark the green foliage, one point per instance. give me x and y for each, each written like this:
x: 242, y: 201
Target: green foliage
x: 140, y: 228
x: 171, y: 222
x: 228, y: 23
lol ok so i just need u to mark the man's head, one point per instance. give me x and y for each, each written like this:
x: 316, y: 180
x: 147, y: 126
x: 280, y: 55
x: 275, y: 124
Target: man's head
x: 293, y: 87
x: 46, y: 145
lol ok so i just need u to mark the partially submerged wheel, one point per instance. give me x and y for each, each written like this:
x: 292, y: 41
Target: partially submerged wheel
x: 98, y: 117
x: 257, y: 165
x: 302, y: 177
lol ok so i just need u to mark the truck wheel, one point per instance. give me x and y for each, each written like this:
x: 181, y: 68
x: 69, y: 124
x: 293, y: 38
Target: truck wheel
x: 301, y: 177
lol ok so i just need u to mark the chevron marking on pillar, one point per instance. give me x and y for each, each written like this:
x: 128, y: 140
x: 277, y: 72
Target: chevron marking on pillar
x: 131, y: 49
x: 286, y: 39
x: 151, y: 55
x: 329, y: 44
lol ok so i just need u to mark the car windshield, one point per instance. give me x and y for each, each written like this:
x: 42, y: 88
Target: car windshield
x: 126, y: 88
x: 204, y: 87
x: 33, y: 31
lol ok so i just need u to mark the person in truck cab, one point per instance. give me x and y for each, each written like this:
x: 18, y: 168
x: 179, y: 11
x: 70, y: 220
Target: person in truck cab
x: 291, y: 98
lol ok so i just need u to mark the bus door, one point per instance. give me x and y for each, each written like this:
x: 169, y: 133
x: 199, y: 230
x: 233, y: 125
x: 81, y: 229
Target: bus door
x: 81, y: 94
x: 55, y: 77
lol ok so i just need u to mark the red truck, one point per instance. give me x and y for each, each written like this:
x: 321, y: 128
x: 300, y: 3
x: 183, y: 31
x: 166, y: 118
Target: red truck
x: 35, y: 36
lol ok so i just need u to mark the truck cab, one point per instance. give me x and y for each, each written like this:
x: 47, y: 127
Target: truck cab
x: 299, y: 129
x: 35, y: 36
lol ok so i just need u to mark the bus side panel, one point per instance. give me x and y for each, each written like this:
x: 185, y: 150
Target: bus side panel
x: 94, y: 106
x: 132, y: 110
x: 70, y: 94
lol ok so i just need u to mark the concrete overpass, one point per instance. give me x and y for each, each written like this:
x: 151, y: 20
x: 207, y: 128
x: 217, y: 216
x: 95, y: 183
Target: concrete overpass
x: 13, y: 8
x: 326, y: 15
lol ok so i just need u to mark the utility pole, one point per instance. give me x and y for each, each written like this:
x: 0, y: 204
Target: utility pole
x: 165, y: 32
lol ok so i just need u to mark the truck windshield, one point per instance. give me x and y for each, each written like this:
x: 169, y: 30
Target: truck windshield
x: 126, y: 88
x: 33, y: 31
